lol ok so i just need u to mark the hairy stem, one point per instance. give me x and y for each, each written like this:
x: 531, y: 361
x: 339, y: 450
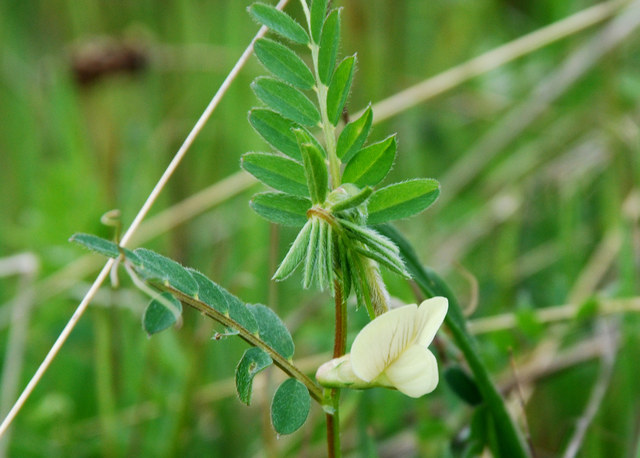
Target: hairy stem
x: 333, y: 394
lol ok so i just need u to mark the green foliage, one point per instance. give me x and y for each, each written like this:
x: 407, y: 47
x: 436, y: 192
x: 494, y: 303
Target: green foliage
x: 279, y: 22
x: 210, y: 293
x: 279, y: 172
x: 276, y: 130
x: 257, y: 324
x: 252, y: 362
x: 355, y: 199
x: 401, y: 200
x: 315, y: 170
x: 339, y: 89
x: 103, y: 246
x: 272, y: 330
x: 284, y: 63
x: 281, y: 208
x: 318, y: 13
x: 161, y: 313
x: 329, y: 42
x: 370, y: 165
x: 354, y: 135
x: 286, y: 100
x: 290, y: 406
x: 296, y: 253
x: 318, y: 262
x: 154, y: 266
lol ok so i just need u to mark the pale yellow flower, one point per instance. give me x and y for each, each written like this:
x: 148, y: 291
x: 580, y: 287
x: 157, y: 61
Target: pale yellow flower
x: 391, y: 351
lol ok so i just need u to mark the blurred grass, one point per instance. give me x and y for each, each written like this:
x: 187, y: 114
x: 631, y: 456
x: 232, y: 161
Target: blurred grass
x: 526, y: 225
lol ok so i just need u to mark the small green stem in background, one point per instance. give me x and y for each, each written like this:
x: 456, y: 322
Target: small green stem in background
x: 104, y: 382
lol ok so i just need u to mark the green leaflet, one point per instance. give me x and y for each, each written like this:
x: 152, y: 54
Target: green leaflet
x: 329, y: 41
x: 370, y: 165
x: 401, y: 200
x: 354, y: 135
x: 276, y: 130
x: 281, y: 208
x: 161, y: 313
x: 339, y: 89
x: 310, y: 263
x: 319, y: 272
x: 239, y: 312
x: 290, y: 406
x: 378, y: 247
x: 252, y: 362
x: 209, y: 292
x: 157, y: 267
x: 318, y: 13
x: 104, y: 247
x: 352, y: 200
x: 272, y: 330
x: 295, y: 255
x: 284, y: 63
x: 279, y: 22
x: 304, y: 136
x: 279, y: 172
x: 286, y: 100
x: 345, y: 267
x: 318, y: 268
x: 315, y: 169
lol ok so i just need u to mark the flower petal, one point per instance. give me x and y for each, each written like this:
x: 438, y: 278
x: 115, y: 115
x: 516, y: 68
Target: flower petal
x: 415, y: 372
x: 431, y: 314
x: 383, y: 340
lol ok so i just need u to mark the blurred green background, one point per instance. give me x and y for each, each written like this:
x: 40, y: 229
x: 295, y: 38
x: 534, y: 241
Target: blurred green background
x: 539, y: 209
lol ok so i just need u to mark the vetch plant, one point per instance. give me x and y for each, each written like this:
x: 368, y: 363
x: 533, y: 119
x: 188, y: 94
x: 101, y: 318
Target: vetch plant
x: 326, y: 180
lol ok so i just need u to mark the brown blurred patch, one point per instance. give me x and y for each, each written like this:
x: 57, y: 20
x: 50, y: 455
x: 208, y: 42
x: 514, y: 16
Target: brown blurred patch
x: 102, y: 58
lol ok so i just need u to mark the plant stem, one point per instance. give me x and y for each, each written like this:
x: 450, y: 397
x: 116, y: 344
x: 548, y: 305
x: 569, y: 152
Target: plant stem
x: 328, y: 129
x: 286, y: 365
x: 340, y: 339
x: 333, y: 395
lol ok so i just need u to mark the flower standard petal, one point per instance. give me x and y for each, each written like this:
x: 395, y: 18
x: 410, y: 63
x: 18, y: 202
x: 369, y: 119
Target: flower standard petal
x: 415, y: 372
x: 431, y: 314
x: 382, y: 341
